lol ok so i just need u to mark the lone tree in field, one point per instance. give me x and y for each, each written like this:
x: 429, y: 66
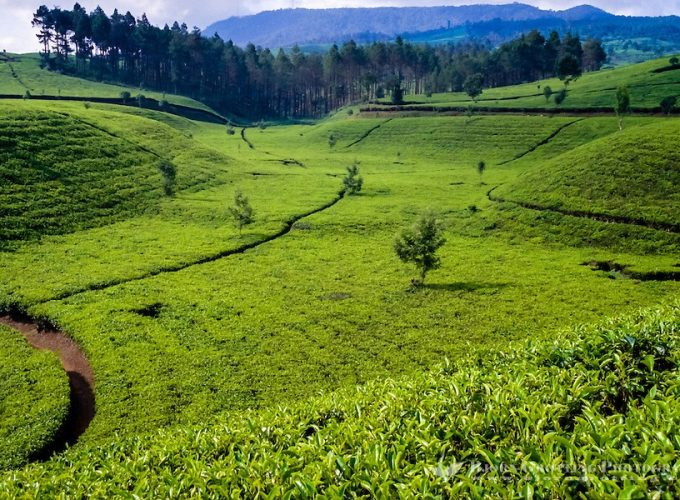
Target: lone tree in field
x: 668, y: 103
x: 622, y: 103
x: 547, y: 92
x: 332, y: 140
x: 419, y: 244
x: 560, y: 96
x: 241, y: 212
x: 169, y: 173
x: 674, y: 61
x: 481, y: 167
x: 353, y: 182
x: 473, y: 85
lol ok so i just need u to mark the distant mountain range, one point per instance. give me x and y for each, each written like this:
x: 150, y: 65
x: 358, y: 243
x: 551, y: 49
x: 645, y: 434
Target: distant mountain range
x: 495, y: 23
x: 286, y: 27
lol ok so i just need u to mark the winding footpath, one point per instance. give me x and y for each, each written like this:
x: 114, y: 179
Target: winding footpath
x: 80, y: 377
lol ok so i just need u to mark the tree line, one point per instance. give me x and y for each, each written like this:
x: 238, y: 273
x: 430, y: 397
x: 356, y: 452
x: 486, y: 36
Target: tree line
x: 256, y: 82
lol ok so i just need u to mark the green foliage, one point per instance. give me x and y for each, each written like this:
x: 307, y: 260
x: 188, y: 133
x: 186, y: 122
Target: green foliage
x: 568, y: 68
x: 353, y: 182
x: 59, y: 174
x: 34, y: 399
x: 473, y: 85
x: 481, y: 167
x: 169, y: 172
x: 560, y: 96
x: 419, y: 244
x: 589, y: 177
x: 332, y: 140
x: 622, y: 103
x: 125, y: 95
x: 674, y: 61
x: 547, y: 92
x: 668, y: 104
x: 241, y: 212
x: 592, y: 414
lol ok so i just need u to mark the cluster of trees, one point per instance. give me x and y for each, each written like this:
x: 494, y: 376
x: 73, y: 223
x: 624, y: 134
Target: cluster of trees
x: 256, y: 82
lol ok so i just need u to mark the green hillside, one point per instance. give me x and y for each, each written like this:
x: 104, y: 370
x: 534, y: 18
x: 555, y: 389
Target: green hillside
x: 592, y: 90
x: 34, y: 399
x: 21, y: 73
x: 296, y: 355
x: 610, y: 176
x: 521, y: 422
x: 64, y: 171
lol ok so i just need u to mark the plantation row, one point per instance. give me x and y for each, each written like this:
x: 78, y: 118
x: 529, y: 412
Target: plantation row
x: 593, y: 414
x: 34, y: 399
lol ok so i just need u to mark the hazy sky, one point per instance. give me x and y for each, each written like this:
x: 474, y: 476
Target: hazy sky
x: 16, y: 34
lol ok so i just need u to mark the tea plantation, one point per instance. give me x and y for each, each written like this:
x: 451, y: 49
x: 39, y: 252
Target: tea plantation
x: 293, y: 356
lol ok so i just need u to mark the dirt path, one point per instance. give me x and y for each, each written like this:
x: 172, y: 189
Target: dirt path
x: 80, y: 376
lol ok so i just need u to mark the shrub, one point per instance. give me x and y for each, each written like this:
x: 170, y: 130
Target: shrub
x: 169, y: 173
x: 353, y: 182
x: 547, y: 92
x: 241, y: 212
x: 419, y: 244
x: 668, y: 103
x: 560, y: 96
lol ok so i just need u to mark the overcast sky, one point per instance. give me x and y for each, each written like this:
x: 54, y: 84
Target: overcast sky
x: 16, y: 34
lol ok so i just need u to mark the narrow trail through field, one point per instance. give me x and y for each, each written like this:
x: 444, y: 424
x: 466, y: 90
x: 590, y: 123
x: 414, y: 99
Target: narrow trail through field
x: 606, y: 218
x: 368, y: 132
x: 277, y: 158
x: 80, y: 376
x: 287, y: 228
x: 542, y: 143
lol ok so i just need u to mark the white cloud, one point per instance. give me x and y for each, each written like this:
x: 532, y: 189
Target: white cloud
x: 17, y: 35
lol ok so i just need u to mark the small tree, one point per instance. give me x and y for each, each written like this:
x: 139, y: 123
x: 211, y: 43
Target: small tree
x: 668, y: 103
x: 560, y: 96
x: 353, y: 182
x: 419, y: 244
x: 622, y: 104
x: 481, y: 167
x: 568, y: 69
x: 674, y: 61
x: 547, y: 92
x: 241, y: 212
x: 169, y: 173
x: 125, y: 96
x: 332, y: 140
x: 473, y: 85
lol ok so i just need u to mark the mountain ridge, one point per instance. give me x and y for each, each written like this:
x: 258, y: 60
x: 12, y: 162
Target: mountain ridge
x: 286, y: 27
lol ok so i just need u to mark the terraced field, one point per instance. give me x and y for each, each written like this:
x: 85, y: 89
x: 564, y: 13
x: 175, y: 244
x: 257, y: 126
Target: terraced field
x: 649, y: 83
x: 210, y: 347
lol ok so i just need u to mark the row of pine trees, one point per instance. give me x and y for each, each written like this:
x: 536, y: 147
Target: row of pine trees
x: 256, y: 82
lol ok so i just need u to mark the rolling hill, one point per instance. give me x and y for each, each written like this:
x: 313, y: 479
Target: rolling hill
x: 295, y: 356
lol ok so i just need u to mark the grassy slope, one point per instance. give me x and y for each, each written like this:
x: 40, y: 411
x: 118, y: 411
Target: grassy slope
x: 34, y: 399
x: 27, y: 75
x: 522, y: 422
x: 596, y: 89
x: 59, y: 174
x: 327, y: 306
x: 611, y: 176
